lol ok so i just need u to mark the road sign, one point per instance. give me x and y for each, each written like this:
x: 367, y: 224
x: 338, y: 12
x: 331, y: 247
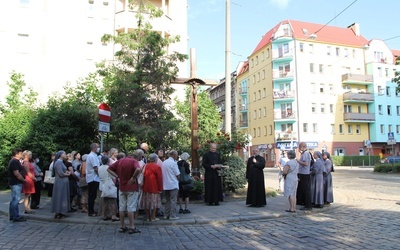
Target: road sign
x: 391, y: 136
x: 104, y: 127
x: 104, y: 113
x: 391, y: 142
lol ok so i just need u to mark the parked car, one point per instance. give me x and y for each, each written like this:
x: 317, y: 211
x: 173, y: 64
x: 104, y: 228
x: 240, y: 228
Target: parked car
x: 392, y: 159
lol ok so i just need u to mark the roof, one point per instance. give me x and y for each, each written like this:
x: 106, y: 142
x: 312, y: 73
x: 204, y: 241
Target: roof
x: 324, y: 34
x: 244, y: 68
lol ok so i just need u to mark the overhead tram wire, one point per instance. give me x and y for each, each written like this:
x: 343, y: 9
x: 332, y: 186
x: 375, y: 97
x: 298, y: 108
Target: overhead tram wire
x: 391, y: 38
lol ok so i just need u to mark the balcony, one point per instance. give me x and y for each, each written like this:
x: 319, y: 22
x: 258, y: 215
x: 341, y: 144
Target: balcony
x: 360, y: 97
x: 357, y: 79
x: 284, y: 116
x: 282, y: 76
x: 284, y: 95
x: 285, y: 137
x: 244, y: 108
x: 279, y: 57
x: 359, y: 117
x: 243, y: 91
x: 128, y: 20
x: 281, y: 37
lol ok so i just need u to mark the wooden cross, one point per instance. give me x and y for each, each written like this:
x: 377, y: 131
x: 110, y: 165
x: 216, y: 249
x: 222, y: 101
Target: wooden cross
x: 194, y: 84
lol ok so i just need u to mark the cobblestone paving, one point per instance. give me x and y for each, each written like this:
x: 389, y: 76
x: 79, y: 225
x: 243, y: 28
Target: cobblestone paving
x: 369, y: 219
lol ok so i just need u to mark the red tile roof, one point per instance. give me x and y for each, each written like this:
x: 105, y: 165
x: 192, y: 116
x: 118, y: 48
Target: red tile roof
x: 245, y: 68
x: 327, y: 34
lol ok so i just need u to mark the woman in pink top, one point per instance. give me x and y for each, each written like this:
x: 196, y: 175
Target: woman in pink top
x: 152, y: 187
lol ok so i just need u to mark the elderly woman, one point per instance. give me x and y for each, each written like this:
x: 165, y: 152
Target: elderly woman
x: 83, y: 184
x: 28, y: 188
x: 328, y: 190
x: 112, y: 154
x: 152, y: 187
x: 108, y: 198
x: 317, y: 190
x: 60, y: 203
x: 184, y: 168
x: 289, y: 172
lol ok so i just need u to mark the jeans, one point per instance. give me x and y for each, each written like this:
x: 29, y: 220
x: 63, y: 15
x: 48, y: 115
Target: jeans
x: 170, y: 202
x: 92, y: 194
x: 15, y: 197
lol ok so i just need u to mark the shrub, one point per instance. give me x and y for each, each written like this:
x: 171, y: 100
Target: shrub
x: 234, y: 177
x: 197, y: 192
x: 355, y: 160
x: 387, y: 168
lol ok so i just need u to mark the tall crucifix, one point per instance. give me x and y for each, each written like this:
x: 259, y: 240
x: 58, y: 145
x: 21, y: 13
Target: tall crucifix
x: 194, y: 85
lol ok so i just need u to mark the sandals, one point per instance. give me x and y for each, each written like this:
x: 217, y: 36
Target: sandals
x: 60, y: 216
x: 186, y: 211
x: 123, y: 229
x: 290, y: 211
x: 134, y: 230
x: 29, y: 212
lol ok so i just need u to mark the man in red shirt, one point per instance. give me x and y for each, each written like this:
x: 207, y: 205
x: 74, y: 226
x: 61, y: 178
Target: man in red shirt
x: 126, y: 170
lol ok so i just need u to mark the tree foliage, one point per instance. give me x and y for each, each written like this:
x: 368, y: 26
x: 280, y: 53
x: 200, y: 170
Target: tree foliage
x: 137, y: 85
x: 396, y: 78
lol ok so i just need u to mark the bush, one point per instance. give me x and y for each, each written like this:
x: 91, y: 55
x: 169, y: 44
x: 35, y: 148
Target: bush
x: 235, y: 176
x: 197, y: 192
x: 355, y: 160
x: 387, y: 168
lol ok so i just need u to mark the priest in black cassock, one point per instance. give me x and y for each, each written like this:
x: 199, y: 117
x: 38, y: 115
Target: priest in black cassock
x: 255, y: 178
x: 212, y: 180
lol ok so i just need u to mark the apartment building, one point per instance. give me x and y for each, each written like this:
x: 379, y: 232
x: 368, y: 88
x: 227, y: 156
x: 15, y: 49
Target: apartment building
x: 314, y: 83
x: 55, y: 42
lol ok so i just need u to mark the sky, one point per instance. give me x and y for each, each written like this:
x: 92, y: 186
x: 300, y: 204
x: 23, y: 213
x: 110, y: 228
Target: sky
x: 251, y: 19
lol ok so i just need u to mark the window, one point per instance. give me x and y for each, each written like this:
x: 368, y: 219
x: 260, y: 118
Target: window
x: 358, y: 129
x: 350, y: 129
x: 255, y: 114
x: 332, y: 129
x: 255, y: 96
x: 259, y: 113
x: 258, y: 76
x: 259, y: 131
x: 341, y: 128
x: 311, y: 67
x: 359, y: 109
x: 286, y: 48
x: 259, y: 94
x: 305, y: 127
x: 263, y: 56
x: 321, y: 68
x: 311, y: 48
x: 397, y: 129
x: 270, y: 129
x: 24, y: 2
x: 380, y: 90
x: 23, y: 43
x: 301, y: 47
x: 313, y: 108
x: 256, y: 60
x: 398, y: 110
x: 331, y: 90
x: 312, y: 87
x: 321, y: 88
x: 389, y: 110
x: 254, y: 79
x: 337, y: 51
x: 265, y: 130
x: 331, y: 108
x: 328, y: 50
x: 390, y: 129
x: 346, y: 52
x: 386, y: 72
x: 268, y: 53
x: 263, y: 74
x: 354, y: 53
x: 265, y: 111
x: 314, y: 127
x: 382, y: 129
x: 264, y: 92
x: 339, y: 151
x: 322, y: 108
x: 379, y: 71
x: 254, y: 132
x: 252, y: 63
x: 380, y: 109
x: 387, y: 91
x: 347, y: 109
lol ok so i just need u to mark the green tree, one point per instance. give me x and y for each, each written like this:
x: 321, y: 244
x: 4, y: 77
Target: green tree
x: 396, y: 78
x: 137, y: 84
x: 209, y: 120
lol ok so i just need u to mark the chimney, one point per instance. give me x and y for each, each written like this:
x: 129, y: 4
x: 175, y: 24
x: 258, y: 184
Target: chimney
x: 355, y: 27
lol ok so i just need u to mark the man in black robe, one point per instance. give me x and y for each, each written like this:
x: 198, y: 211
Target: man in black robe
x: 255, y: 178
x: 212, y: 180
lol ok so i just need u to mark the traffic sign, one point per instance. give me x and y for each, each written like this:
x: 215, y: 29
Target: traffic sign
x: 104, y: 127
x: 390, y: 135
x: 104, y: 113
x: 391, y: 142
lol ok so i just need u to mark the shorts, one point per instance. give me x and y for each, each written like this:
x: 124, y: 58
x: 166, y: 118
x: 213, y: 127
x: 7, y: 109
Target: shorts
x: 128, y: 201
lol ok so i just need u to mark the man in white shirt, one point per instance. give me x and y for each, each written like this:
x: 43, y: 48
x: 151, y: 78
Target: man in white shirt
x: 170, y: 174
x: 92, y: 177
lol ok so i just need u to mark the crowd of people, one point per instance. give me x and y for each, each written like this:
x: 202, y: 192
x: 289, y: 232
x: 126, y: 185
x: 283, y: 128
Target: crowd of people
x: 127, y: 184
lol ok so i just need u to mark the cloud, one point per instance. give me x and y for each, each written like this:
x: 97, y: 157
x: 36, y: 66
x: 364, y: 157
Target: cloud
x: 281, y: 4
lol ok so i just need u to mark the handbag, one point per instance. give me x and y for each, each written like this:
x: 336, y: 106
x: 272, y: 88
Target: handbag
x: 82, y: 182
x: 48, y: 178
x: 184, y: 178
x: 189, y: 186
x: 108, y: 189
x: 140, y: 177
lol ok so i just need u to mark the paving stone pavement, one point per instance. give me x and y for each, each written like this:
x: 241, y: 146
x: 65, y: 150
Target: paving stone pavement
x: 364, y: 216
